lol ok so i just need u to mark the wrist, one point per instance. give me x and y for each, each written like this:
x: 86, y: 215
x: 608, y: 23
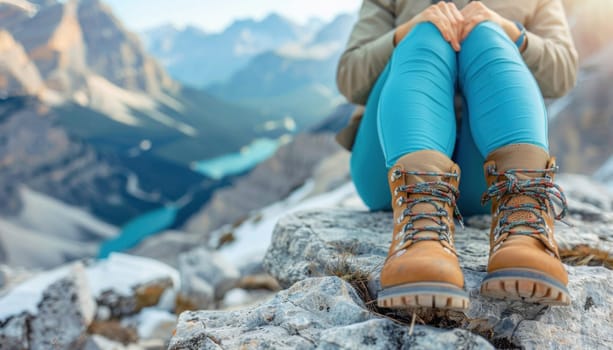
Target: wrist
x: 516, y: 32
x: 511, y: 29
x: 402, y: 31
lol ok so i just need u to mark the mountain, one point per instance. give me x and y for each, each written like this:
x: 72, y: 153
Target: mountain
x: 296, y: 80
x: 89, y: 118
x: 197, y: 58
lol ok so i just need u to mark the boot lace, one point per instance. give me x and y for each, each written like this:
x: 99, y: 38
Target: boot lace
x: 436, y: 193
x: 541, y: 189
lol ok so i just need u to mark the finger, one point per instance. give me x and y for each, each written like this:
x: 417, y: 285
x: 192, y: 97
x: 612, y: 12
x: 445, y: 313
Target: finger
x: 456, y: 13
x: 454, y: 24
x: 441, y: 21
x: 468, y: 10
x: 470, y: 25
x: 459, y: 18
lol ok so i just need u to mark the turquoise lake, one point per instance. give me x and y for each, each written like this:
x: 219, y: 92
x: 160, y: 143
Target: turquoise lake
x: 158, y: 220
x: 236, y: 163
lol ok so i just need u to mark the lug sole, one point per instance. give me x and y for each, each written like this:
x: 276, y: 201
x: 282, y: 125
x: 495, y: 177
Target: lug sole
x: 428, y: 295
x: 525, y: 285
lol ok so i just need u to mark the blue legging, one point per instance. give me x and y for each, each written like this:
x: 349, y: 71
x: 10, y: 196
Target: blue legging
x: 411, y: 108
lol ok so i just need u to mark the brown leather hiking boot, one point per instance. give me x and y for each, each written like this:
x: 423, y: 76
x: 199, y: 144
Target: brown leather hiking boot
x: 524, y: 262
x: 422, y: 267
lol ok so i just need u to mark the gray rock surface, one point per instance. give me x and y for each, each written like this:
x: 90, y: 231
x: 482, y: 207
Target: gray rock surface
x: 206, y: 276
x: 143, y: 295
x: 167, y: 246
x: 63, y: 317
x: 317, y: 313
x: 320, y: 243
x: 385, y: 334
x: 14, y: 333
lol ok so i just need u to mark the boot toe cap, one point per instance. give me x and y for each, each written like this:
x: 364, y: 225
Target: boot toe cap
x: 517, y: 257
x: 434, y: 265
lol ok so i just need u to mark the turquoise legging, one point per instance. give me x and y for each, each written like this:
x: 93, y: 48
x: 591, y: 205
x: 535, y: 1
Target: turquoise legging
x: 411, y: 108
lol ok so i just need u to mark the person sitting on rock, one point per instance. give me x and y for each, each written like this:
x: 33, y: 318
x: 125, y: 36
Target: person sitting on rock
x: 408, y: 62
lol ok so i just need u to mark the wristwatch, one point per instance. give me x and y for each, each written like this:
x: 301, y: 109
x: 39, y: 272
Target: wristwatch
x: 522, y: 35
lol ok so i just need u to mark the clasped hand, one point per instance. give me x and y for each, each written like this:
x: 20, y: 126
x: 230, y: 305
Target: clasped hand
x: 454, y: 25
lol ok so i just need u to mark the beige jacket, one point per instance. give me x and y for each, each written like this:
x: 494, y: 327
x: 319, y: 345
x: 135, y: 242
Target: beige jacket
x: 550, y: 54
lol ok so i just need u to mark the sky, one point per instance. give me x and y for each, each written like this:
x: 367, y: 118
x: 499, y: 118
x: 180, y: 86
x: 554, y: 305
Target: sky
x: 215, y: 15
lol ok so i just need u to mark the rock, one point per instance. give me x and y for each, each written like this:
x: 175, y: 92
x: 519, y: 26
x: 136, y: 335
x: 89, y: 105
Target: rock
x: 14, y: 333
x: 323, y: 313
x: 114, y: 330
x: 167, y: 246
x: 145, y: 295
x: 55, y: 309
x: 206, y: 276
x: 350, y: 243
x: 20, y: 75
x: 126, y: 284
x: 152, y: 323
x: 64, y: 314
x: 98, y: 342
x: 385, y: 334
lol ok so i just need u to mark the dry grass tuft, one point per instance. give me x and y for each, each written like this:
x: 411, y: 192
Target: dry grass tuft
x: 584, y: 255
x: 343, y: 268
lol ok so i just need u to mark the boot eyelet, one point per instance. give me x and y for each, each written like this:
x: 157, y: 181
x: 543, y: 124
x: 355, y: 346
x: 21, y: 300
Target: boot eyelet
x: 396, y: 174
x: 400, y: 201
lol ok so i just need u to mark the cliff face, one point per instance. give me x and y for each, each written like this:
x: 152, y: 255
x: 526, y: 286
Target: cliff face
x: 69, y: 41
x: 92, y: 109
x: 18, y: 75
x: 118, y: 54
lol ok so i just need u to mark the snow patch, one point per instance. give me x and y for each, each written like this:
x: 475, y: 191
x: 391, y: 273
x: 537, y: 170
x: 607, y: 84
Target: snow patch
x: 27, y: 6
x: 119, y: 273
x: 150, y: 320
x: 253, y: 237
x: 43, y: 213
x: 118, y: 104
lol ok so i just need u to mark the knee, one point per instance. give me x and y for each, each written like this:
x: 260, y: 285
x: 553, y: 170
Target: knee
x: 486, y: 35
x: 424, y: 38
x: 487, y: 45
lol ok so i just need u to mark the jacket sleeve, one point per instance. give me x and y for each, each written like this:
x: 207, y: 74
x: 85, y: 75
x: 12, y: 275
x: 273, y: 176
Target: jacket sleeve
x: 370, y: 46
x: 550, y: 54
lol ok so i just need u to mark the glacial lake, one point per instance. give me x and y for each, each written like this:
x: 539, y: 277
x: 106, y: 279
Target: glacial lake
x: 239, y: 162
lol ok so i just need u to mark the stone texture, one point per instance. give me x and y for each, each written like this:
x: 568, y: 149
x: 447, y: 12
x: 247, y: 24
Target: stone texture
x: 144, y: 295
x: 320, y: 243
x: 324, y: 313
x: 14, y: 334
x: 64, y: 315
x: 206, y: 276
x: 385, y: 334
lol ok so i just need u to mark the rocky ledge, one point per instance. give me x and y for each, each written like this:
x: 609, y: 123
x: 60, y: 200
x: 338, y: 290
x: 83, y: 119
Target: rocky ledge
x: 322, y: 312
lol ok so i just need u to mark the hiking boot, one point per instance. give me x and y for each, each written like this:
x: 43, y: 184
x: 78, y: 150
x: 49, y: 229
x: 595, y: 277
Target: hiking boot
x: 422, y: 266
x: 524, y: 262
